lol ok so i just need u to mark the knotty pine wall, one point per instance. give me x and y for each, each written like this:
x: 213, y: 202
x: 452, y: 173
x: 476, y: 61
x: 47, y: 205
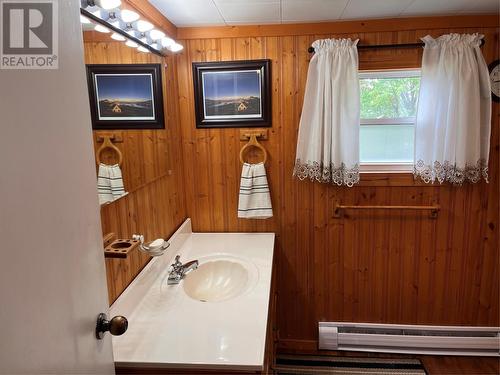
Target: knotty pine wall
x: 152, y: 169
x: 373, y: 266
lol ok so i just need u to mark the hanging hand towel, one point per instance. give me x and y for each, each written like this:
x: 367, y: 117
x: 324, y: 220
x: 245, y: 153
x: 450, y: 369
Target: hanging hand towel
x: 255, y: 199
x: 115, y: 175
x: 109, y: 183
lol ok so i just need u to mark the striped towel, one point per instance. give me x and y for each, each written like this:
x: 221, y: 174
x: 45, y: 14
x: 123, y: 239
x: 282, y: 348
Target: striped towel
x: 109, y: 183
x: 255, y: 199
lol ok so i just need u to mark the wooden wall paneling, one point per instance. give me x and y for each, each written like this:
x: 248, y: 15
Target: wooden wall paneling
x: 146, y: 211
x: 305, y: 195
x: 217, y: 156
x: 201, y: 139
x: 257, y: 50
x: 491, y: 229
x: 271, y: 49
x: 288, y: 190
x: 229, y: 148
x: 399, y: 267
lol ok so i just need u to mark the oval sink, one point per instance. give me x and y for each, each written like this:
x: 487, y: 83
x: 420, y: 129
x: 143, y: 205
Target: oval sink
x: 216, y: 281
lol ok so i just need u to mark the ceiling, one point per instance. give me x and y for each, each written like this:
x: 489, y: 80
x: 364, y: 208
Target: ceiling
x: 185, y: 13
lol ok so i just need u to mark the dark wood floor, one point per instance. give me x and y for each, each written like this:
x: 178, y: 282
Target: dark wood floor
x: 441, y: 365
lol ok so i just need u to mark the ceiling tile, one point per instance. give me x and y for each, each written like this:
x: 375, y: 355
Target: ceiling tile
x: 431, y: 7
x: 312, y: 10
x: 189, y: 12
x: 359, y: 9
x: 246, y: 2
x: 482, y: 6
x: 221, y: 12
x: 251, y: 12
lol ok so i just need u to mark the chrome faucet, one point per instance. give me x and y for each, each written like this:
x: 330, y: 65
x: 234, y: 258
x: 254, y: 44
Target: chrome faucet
x: 178, y: 270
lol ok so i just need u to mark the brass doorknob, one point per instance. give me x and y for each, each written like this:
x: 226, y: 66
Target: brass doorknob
x: 116, y: 326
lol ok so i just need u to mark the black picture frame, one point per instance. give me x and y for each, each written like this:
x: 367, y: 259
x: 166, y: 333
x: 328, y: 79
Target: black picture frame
x: 150, y: 115
x: 250, y: 71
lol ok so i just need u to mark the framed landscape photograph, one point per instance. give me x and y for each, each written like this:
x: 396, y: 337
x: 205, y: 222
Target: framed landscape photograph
x: 125, y: 96
x: 232, y: 94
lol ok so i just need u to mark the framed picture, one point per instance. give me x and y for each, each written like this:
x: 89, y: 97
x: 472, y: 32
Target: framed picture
x: 232, y: 94
x: 126, y: 96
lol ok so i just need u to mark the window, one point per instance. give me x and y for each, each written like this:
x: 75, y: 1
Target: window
x: 388, y: 110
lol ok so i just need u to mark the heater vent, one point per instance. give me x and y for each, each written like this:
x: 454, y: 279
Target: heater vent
x: 415, y: 339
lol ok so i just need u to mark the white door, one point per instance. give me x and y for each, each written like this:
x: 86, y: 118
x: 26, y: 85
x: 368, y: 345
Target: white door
x: 52, y: 275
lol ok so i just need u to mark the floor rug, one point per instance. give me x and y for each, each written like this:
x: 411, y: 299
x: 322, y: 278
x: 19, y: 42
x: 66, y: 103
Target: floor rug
x: 316, y: 365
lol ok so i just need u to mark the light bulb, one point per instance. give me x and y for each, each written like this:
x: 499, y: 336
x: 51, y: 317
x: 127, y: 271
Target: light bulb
x: 167, y: 42
x: 131, y: 43
x: 114, y: 23
x: 107, y: 4
x: 156, y: 34
x: 144, y: 26
x: 117, y: 36
x: 101, y: 29
x: 99, y: 13
x: 128, y: 16
x: 84, y: 19
x: 176, y: 47
x: 133, y: 33
x: 142, y: 49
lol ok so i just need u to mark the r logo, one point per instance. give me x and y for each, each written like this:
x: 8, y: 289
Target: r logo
x: 29, y: 30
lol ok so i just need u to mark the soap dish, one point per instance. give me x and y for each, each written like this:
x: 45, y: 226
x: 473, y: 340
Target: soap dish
x: 120, y: 248
x: 152, y: 253
x: 154, y: 248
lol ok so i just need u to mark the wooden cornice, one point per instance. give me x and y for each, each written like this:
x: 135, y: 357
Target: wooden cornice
x: 149, y: 12
x: 339, y: 27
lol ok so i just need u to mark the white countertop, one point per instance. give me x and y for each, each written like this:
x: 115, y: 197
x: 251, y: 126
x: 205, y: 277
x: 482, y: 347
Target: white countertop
x: 167, y: 328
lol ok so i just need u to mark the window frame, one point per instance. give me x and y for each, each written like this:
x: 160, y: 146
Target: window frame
x: 394, y: 167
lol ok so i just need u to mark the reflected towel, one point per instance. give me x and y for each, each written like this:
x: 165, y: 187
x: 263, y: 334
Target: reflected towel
x: 255, y: 199
x: 109, y: 183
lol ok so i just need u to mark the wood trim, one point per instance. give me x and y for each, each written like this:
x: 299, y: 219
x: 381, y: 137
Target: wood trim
x: 297, y: 346
x: 175, y: 371
x: 148, y: 11
x: 391, y: 179
x: 340, y: 27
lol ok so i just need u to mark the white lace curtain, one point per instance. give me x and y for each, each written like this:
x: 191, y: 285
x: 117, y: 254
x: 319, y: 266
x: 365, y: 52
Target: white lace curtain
x: 452, y: 138
x: 328, y: 141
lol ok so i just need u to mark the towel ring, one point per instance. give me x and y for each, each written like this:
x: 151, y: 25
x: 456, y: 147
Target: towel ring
x: 108, y: 144
x: 253, y: 143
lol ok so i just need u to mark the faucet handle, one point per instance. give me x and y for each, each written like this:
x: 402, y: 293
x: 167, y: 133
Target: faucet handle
x: 138, y: 237
x: 177, y: 264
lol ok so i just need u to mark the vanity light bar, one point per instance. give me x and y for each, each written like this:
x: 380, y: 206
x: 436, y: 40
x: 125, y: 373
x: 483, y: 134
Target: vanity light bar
x: 118, y: 31
x: 121, y: 32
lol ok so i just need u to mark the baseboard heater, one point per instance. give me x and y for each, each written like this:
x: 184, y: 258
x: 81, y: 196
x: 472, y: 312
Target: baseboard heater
x: 411, y: 339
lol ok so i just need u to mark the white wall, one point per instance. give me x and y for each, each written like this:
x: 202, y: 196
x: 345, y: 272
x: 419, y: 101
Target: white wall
x: 52, y: 277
